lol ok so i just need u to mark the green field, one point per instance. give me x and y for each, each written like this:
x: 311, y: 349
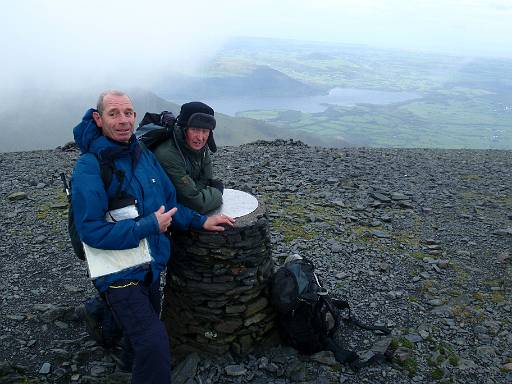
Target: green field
x: 466, y: 103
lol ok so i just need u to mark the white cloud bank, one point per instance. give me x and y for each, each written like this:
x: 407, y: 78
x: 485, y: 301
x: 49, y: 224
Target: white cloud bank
x: 130, y: 43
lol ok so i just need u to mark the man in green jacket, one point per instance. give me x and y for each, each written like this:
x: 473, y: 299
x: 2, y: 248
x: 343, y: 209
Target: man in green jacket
x: 185, y: 156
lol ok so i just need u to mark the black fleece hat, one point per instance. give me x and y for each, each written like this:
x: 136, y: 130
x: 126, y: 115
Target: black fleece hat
x: 198, y: 115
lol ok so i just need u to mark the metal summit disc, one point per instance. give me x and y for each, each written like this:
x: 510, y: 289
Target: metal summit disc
x: 236, y: 203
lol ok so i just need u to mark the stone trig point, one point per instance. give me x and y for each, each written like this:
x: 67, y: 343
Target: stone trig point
x: 216, y: 294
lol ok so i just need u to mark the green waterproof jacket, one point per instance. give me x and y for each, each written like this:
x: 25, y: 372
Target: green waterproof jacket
x: 190, y: 172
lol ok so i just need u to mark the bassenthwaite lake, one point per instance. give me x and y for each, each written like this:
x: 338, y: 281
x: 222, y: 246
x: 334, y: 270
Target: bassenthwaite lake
x: 309, y: 104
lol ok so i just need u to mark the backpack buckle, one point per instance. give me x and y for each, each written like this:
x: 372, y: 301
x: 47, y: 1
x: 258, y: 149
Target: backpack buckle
x: 322, y: 291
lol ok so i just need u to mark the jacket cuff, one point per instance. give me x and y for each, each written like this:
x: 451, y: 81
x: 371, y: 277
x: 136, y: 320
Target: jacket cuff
x: 198, y: 221
x: 147, y: 226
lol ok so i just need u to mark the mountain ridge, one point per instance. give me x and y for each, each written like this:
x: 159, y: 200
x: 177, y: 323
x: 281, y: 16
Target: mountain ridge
x: 254, y: 81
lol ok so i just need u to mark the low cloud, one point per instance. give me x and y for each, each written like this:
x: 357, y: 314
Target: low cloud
x: 70, y: 45
x: 122, y: 43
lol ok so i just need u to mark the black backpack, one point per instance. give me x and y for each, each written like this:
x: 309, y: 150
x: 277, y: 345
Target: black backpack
x: 155, y: 128
x: 308, y: 316
x: 107, y: 170
x: 161, y: 129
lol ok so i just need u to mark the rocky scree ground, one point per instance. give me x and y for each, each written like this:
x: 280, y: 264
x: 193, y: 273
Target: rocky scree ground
x: 419, y: 240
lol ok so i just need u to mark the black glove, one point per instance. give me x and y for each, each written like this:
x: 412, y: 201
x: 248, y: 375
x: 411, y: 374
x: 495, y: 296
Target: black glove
x: 216, y: 183
x: 167, y: 119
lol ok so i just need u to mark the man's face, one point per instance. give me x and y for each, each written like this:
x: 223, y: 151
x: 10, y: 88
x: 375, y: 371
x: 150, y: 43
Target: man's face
x: 118, y: 118
x: 196, y: 137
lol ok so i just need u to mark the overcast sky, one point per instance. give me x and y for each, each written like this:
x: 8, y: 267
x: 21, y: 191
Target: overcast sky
x: 72, y: 43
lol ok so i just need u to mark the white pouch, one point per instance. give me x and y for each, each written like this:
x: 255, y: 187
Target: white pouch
x: 103, y: 262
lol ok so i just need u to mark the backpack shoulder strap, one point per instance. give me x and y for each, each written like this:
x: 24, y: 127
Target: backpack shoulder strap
x: 341, y: 304
x: 107, y: 171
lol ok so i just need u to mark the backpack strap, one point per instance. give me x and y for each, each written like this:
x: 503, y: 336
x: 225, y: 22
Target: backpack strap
x: 368, y: 327
x: 346, y: 356
x: 324, y: 309
x: 65, y: 186
x: 342, y: 304
x: 340, y: 354
x: 107, y: 172
x: 343, y: 355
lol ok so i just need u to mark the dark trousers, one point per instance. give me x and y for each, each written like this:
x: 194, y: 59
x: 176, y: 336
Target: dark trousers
x: 136, y: 308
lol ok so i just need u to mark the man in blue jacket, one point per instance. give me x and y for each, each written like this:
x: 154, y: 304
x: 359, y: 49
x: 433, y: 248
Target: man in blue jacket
x: 133, y: 294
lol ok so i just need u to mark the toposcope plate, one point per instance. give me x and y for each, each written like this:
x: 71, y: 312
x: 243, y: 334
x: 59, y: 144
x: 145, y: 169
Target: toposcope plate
x: 236, y: 203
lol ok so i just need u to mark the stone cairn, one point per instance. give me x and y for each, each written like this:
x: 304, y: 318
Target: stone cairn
x: 216, y: 294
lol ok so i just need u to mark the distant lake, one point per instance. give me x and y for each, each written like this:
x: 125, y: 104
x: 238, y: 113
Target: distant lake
x: 309, y: 104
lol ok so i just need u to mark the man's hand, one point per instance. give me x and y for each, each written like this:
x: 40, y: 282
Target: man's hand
x: 213, y: 223
x: 164, y: 218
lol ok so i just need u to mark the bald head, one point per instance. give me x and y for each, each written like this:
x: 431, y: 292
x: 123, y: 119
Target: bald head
x: 100, y: 106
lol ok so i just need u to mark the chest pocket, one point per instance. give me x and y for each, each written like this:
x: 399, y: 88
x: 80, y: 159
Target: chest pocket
x: 153, y: 192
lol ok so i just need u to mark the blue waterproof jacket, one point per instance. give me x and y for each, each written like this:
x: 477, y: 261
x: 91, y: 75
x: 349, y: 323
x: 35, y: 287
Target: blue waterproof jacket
x: 144, y: 179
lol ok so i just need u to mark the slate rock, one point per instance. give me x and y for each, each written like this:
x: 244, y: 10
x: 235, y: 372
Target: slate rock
x: 45, y: 369
x: 380, y: 197
x: 324, y: 357
x: 186, y: 369
x: 381, y: 346
x: 17, y: 196
x: 235, y: 370
x: 503, y: 232
x: 379, y: 234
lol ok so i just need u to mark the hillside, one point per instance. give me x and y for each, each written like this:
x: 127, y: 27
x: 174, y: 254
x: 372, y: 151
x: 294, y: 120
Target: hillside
x: 52, y: 116
x: 253, y: 80
x: 419, y: 240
